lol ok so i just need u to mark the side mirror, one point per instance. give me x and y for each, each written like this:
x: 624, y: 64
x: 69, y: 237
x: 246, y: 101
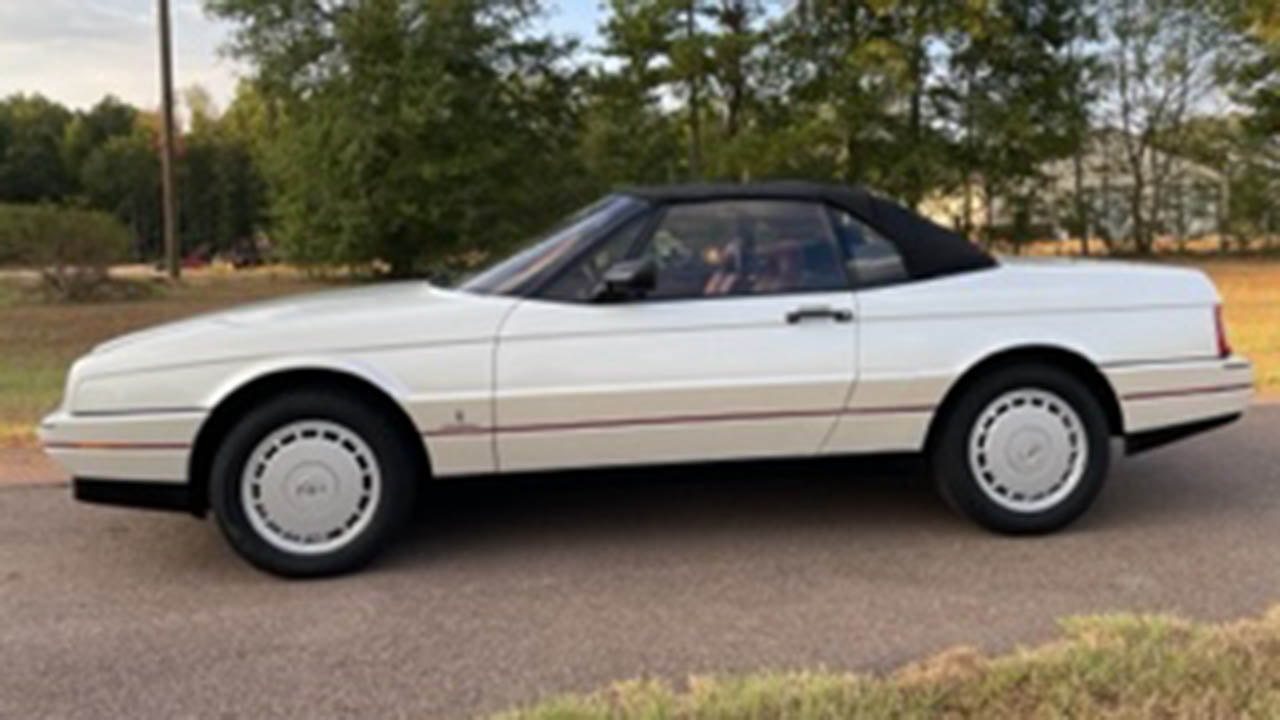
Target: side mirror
x: 627, y: 280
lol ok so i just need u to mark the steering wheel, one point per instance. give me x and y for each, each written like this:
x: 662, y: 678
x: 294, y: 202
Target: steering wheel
x: 591, y: 278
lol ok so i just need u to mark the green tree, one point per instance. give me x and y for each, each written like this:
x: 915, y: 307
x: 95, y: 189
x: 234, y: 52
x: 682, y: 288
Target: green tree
x: 87, y: 131
x: 691, y: 68
x: 122, y: 176
x: 1255, y: 62
x: 864, y: 77
x: 1250, y: 160
x: 1019, y: 89
x: 411, y: 131
x: 1164, y: 58
x: 628, y: 135
x: 687, y: 69
x: 250, y: 119
x: 221, y: 194
x: 31, y: 163
x: 737, y: 41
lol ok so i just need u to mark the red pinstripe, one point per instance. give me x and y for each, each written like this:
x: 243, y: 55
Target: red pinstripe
x: 672, y: 420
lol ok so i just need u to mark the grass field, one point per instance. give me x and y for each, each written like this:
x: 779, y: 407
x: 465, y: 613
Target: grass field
x: 1251, y: 305
x: 1118, y: 666
x: 38, y: 341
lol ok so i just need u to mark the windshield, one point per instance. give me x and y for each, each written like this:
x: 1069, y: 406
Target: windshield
x: 540, y: 253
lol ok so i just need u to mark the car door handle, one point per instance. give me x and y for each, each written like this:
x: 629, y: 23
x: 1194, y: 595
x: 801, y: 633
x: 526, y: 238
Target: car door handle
x: 818, y: 311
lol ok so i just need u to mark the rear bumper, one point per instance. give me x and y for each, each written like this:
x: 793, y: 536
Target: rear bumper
x: 1165, y: 402
x: 1155, y: 396
x: 1151, y: 439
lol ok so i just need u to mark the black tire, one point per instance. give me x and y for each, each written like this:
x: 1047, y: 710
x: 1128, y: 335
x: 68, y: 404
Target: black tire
x: 397, y: 464
x: 954, y: 475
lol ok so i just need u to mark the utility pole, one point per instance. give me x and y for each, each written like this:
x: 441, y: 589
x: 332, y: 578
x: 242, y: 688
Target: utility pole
x: 167, y: 147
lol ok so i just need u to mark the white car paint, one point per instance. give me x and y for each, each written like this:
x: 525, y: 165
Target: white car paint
x: 495, y: 383
x: 669, y: 381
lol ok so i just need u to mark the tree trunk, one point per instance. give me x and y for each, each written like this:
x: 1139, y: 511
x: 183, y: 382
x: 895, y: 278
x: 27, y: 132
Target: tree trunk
x: 734, y: 14
x: 914, y: 190
x: 1224, y: 212
x: 850, y: 152
x: 967, y: 215
x: 988, y: 197
x: 1141, y: 243
x: 695, y: 121
x: 1082, y: 214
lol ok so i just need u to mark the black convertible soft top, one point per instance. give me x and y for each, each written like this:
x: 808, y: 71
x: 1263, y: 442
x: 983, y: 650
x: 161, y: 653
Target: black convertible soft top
x: 927, y: 249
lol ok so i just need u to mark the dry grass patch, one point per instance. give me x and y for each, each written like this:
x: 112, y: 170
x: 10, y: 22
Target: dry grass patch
x: 1251, y: 304
x: 38, y: 340
x: 1114, y: 666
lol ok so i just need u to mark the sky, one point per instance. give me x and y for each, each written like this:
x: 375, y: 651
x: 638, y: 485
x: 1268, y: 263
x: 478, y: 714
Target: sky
x: 77, y: 51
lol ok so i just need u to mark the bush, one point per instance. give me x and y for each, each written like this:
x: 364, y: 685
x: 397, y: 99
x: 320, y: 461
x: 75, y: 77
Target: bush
x: 1109, y: 666
x: 72, y: 249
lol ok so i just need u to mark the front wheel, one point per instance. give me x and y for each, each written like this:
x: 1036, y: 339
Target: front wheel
x: 1025, y: 450
x: 312, y: 483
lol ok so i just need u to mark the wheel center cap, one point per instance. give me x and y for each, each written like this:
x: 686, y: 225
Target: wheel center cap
x: 310, y: 485
x: 1028, y: 450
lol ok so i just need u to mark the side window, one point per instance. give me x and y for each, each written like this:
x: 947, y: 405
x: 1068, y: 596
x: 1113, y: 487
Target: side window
x: 745, y: 247
x: 699, y: 250
x: 870, y: 257
x: 793, y: 249
x: 579, y: 283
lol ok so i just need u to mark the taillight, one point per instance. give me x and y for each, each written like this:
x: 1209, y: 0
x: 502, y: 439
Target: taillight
x: 1224, y: 347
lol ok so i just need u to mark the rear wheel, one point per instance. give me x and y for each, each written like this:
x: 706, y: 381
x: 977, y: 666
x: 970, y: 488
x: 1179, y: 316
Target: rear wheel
x: 1025, y: 450
x: 312, y: 483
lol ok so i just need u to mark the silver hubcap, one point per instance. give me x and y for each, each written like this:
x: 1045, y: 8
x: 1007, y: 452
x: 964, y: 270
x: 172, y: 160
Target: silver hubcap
x: 310, y: 487
x: 1028, y: 450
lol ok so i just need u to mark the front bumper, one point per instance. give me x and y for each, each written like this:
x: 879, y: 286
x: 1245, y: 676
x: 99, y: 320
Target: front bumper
x: 150, y: 495
x: 142, y: 447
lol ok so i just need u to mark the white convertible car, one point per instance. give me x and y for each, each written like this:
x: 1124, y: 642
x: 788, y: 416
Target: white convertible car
x: 658, y: 325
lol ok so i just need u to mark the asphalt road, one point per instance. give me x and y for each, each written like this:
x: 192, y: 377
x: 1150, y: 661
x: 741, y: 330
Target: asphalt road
x: 506, y: 591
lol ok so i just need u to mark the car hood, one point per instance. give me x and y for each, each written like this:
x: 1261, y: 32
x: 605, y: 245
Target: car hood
x: 343, y: 301
x: 349, y: 319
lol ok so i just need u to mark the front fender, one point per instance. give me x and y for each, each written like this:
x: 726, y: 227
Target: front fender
x: 203, y: 386
x: 361, y: 370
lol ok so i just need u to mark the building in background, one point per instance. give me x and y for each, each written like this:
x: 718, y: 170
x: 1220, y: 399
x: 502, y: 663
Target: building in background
x: 1181, y: 199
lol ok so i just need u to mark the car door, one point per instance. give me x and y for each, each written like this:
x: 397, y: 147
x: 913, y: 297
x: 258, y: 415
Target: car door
x: 745, y: 348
